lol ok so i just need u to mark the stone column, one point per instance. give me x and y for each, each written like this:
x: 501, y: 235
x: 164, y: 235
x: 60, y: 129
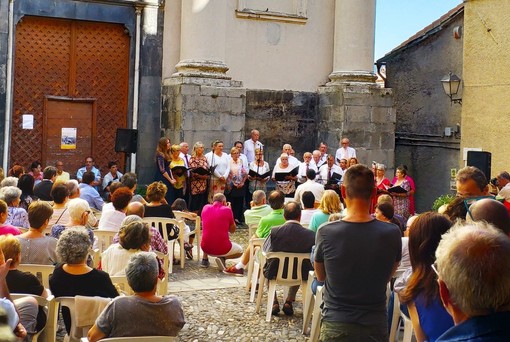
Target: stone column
x: 354, y: 37
x: 203, y: 25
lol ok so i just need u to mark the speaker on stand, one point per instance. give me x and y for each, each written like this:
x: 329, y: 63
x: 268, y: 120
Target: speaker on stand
x: 481, y: 160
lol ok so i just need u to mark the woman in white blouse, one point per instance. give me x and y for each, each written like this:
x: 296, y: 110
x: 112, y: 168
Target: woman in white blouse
x: 287, y: 186
x: 260, y: 167
x: 220, y: 162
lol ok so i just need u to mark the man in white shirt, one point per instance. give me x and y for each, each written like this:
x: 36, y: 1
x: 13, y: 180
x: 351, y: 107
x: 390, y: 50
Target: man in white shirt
x: 185, y: 153
x: 504, y: 185
x: 323, y: 149
x: 251, y: 145
x: 310, y: 185
x: 343, y: 165
x: 345, y: 152
x: 327, y: 171
x: 305, y: 166
x: 287, y: 148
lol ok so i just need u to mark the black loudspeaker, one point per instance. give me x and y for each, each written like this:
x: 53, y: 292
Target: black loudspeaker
x: 126, y: 140
x: 481, y: 160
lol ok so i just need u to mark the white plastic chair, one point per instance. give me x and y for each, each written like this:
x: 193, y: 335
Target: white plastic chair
x: 308, y: 303
x: 317, y: 315
x: 180, y: 215
x: 160, y: 224
x: 122, y: 283
x: 42, y: 272
x: 163, y: 283
x: 255, y: 245
x: 396, y: 318
x: 46, y: 333
x: 104, y: 239
x: 252, y: 228
x: 95, y: 255
x: 294, y: 262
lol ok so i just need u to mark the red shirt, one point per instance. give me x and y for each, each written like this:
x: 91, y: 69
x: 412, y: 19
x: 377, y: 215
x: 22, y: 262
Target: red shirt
x: 216, y: 220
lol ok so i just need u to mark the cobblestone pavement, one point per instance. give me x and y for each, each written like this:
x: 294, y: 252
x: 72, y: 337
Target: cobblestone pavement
x: 217, y: 308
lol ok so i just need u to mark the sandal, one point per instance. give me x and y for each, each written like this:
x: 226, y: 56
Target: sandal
x: 276, y: 309
x: 287, y: 308
x: 187, y: 246
x: 189, y: 254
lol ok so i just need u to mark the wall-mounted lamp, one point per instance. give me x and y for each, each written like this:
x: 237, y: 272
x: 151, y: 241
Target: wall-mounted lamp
x: 451, y: 84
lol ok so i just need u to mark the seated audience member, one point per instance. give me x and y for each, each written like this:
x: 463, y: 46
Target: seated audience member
x: 74, y: 188
x: 384, y: 198
x: 35, y: 171
x: 89, y: 167
x: 133, y: 238
x: 143, y: 314
x: 112, y: 219
x: 330, y: 204
x: 471, y: 182
x: 135, y: 214
x: 473, y: 270
x: 455, y: 210
x: 385, y: 212
x: 258, y: 208
x: 37, y: 248
x: 89, y: 193
x: 111, y: 177
x: 9, y: 181
x: 43, y: 189
x: 26, y: 185
x: 290, y: 237
x: 11, y: 318
x: 16, y: 216
x: 73, y: 277
x: 157, y: 206
x: 129, y: 179
x: 503, y: 184
x: 16, y: 171
x: 62, y: 176
x: 79, y: 212
x: 109, y: 205
x: 308, y: 201
x: 310, y: 185
x: 6, y: 228
x: 60, y: 195
x: 23, y: 282
x: 273, y: 219
x: 491, y: 211
x: 421, y: 294
x: 217, y: 223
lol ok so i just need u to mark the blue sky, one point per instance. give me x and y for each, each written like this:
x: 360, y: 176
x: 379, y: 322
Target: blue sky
x: 397, y: 20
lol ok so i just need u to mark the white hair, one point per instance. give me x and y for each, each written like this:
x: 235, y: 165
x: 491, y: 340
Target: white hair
x: 77, y: 207
x: 473, y: 261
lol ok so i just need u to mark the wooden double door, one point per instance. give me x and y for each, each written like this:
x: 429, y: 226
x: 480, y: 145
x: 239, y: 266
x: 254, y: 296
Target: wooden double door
x: 69, y: 76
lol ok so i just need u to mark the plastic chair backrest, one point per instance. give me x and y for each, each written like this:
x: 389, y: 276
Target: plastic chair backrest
x: 122, y: 284
x: 104, y: 239
x: 48, y: 305
x: 163, y: 283
x: 294, y: 261
x: 180, y: 215
x: 42, y: 272
x: 160, y: 223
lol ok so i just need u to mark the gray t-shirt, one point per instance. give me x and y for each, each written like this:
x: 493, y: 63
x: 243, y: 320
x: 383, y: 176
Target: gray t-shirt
x: 134, y: 316
x: 358, y: 259
x: 41, y: 251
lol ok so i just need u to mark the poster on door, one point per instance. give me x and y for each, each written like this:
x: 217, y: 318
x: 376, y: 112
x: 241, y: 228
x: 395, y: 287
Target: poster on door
x: 68, y: 139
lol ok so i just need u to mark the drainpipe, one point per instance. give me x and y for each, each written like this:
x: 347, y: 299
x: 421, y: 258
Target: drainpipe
x: 136, y: 82
x: 8, y: 91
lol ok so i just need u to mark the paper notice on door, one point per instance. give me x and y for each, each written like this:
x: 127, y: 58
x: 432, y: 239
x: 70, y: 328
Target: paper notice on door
x: 68, y: 140
x: 27, y: 121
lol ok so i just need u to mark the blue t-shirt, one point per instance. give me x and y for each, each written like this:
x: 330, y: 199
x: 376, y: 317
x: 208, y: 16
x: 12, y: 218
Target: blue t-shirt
x: 434, y: 319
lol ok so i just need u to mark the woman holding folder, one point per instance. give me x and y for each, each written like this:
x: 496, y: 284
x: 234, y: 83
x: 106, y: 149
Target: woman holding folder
x: 199, y: 177
x: 285, y: 176
x: 163, y: 174
x: 400, y: 193
x: 179, y: 172
x: 258, y: 173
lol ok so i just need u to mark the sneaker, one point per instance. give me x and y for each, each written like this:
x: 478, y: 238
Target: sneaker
x: 220, y: 261
x: 232, y: 270
x: 204, y: 263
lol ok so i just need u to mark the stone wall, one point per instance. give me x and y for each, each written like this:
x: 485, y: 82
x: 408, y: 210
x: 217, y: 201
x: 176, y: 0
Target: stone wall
x: 365, y: 115
x: 283, y: 117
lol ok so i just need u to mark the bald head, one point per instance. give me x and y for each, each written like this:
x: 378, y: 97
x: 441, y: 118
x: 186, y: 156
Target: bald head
x: 135, y: 208
x: 491, y: 211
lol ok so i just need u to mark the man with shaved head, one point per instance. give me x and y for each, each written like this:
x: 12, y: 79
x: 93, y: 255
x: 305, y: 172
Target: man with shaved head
x: 491, y: 211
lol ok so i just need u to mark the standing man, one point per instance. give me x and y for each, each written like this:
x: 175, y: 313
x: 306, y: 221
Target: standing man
x: 343, y: 165
x: 62, y: 176
x: 323, y: 149
x: 186, y: 157
x: 287, y: 149
x: 328, y: 174
x: 471, y: 182
x: 251, y: 145
x: 43, y: 189
x: 356, y: 257
x: 89, y: 167
x: 345, y: 151
x: 306, y: 165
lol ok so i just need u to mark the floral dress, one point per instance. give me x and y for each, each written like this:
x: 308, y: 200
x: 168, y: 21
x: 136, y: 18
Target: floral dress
x: 401, y: 204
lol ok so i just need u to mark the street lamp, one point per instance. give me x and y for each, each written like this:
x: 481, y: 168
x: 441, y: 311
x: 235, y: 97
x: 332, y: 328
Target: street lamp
x: 451, y: 84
